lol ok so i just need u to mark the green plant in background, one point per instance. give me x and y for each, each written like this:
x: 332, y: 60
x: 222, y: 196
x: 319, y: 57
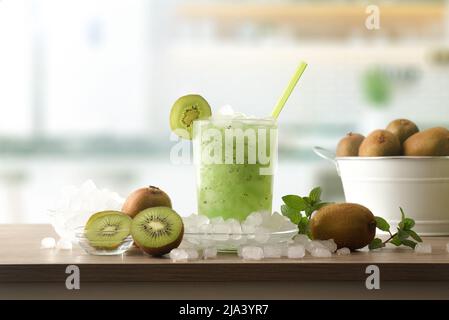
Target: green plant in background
x: 299, y: 209
x: 376, y: 87
x: 404, y: 235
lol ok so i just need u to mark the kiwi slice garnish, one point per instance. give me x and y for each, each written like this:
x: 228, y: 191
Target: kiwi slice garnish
x: 107, y: 229
x: 185, y: 111
x: 157, y: 230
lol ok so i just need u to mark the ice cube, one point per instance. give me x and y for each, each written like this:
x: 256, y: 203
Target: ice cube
x: 235, y: 228
x: 273, y: 222
x: 210, y: 253
x: 201, y: 219
x: 422, y: 247
x: 262, y: 235
x: 301, y: 239
x: 226, y: 110
x: 343, y: 252
x: 287, y: 225
x: 254, y: 219
x: 248, y: 228
x: 192, y: 254
x: 221, y: 232
x: 64, y: 244
x: 321, y: 253
x: 310, y: 246
x: 329, y: 244
x: 272, y: 251
x: 296, y: 251
x: 48, y: 243
x: 217, y: 220
x: 252, y: 253
x: 179, y: 255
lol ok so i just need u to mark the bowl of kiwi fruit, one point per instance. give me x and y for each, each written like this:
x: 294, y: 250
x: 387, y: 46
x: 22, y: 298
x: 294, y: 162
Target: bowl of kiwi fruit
x: 399, y: 166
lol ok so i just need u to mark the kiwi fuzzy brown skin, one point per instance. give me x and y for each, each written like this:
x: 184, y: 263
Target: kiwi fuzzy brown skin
x: 350, y: 225
x: 380, y: 143
x: 144, y: 198
x: 433, y: 142
x: 403, y: 129
x: 158, y: 252
x: 349, y: 145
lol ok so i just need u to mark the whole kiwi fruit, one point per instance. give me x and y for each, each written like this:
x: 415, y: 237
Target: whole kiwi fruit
x: 380, y: 143
x: 432, y: 142
x: 350, y: 225
x: 349, y: 145
x: 403, y: 129
x: 144, y: 198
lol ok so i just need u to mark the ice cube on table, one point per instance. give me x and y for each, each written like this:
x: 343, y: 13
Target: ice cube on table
x: 343, y: 252
x: 64, y: 244
x: 192, y: 254
x: 321, y: 253
x: 272, y: 251
x: 178, y: 255
x: 252, y: 253
x: 296, y: 251
x: 48, y: 243
x: 329, y: 244
x: 422, y: 247
x: 313, y: 245
x: 210, y: 253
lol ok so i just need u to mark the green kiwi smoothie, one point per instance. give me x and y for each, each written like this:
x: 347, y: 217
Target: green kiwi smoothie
x: 235, y: 160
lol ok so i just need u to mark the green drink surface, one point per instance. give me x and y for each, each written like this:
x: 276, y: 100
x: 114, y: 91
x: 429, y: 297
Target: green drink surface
x: 234, y: 190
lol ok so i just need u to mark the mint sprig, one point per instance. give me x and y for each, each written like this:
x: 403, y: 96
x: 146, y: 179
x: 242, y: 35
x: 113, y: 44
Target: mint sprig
x: 299, y: 209
x: 404, y: 234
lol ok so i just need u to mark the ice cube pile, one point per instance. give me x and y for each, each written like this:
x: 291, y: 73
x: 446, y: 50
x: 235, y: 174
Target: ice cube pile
x: 259, y: 228
x: 74, y: 205
x: 254, y: 248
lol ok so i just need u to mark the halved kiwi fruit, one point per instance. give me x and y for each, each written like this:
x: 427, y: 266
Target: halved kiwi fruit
x: 186, y: 110
x: 107, y: 229
x: 157, y: 230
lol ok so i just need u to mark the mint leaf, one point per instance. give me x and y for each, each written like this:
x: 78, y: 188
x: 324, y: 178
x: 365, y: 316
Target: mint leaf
x: 295, y: 202
x: 376, y: 244
x: 396, y: 241
x: 293, y: 214
x: 315, y: 195
x: 382, y: 224
x: 303, y: 225
x: 402, y: 234
x: 414, y: 235
x: 407, y: 224
x: 402, y: 214
x: 409, y: 243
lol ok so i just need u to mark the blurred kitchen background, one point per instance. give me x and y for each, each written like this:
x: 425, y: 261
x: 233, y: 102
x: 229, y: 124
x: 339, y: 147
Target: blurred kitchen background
x: 86, y: 86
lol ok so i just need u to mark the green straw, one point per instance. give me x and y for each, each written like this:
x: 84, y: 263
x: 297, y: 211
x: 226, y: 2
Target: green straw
x: 288, y: 91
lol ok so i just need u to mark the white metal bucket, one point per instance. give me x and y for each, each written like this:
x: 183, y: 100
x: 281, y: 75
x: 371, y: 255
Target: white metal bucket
x: 420, y: 185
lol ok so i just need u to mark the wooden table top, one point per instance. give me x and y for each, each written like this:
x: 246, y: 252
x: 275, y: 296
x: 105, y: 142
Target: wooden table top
x: 22, y: 260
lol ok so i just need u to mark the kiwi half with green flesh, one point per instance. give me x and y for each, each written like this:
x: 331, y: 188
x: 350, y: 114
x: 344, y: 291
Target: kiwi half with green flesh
x: 185, y: 111
x: 145, y: 198
x: 157, y: 230
x: 107, y: 229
